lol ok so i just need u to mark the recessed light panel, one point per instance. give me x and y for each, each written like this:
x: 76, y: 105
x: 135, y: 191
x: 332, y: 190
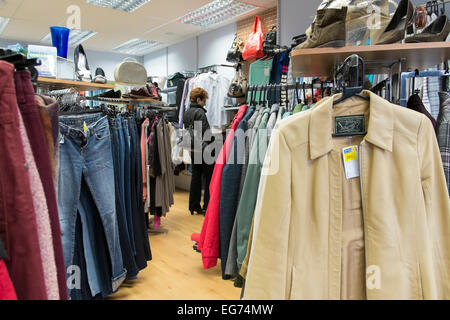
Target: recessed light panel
x: 216, y: 12
x: 124, y: 5
x: 136, y: 46
x: 3, y: 23
x: 76, y: 37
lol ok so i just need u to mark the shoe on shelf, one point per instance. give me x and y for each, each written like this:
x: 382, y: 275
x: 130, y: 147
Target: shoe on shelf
x: 142, y: 93
x: 396, y: 29
x: 99, y: 76
x: 328, y: 30
x: 437, y: 31
x: 81, y: 65
x: 110, y: 94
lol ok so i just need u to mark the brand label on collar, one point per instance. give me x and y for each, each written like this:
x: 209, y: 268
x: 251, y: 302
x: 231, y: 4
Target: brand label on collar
x: 351, y: 163
x: 350, y: 125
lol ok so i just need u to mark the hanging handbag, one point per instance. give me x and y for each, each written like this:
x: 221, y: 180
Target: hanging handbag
x: 234, y: 54
x: 254, y: 46
x: 238, y: 87
x: 131, y: 72
x: 270, y: 42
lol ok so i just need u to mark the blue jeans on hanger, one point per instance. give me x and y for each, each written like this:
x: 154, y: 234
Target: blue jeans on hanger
x: 85, y: 150
x: 129, y: 260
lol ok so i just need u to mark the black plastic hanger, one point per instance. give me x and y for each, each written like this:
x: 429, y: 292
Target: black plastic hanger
x: 352, y: 65
x: 305, y: 101
x: 296, y: 92
x: 265, y: 95
x: 312, y: 93
x: 287, y: 96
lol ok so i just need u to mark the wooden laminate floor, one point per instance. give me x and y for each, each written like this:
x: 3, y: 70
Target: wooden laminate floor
x: 176, y: 271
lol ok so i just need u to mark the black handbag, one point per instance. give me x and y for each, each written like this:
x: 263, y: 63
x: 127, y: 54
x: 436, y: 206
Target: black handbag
x: 270, y: 42
x: 234, y: 54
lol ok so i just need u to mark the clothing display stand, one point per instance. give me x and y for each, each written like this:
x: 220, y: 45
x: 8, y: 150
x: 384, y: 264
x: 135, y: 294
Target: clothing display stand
x: 417, y: 74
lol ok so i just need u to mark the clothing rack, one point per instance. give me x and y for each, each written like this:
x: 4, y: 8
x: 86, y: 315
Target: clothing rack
x: 417, y: 74
x: 214, y: 67
x: 145, y: 101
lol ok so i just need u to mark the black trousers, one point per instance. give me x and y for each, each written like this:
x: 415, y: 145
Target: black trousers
x: 200, y: 172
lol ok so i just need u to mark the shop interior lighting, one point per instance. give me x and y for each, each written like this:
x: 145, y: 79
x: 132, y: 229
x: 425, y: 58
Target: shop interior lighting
x: 124, y: 5
x: 3, y: 23
x: 216, y: 12
x: 136, y: 46
x: 76, y: 37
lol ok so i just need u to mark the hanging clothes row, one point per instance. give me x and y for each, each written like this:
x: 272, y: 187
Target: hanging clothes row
x: 29, y: 219
x: 217, y: 87
x: 109, y: 153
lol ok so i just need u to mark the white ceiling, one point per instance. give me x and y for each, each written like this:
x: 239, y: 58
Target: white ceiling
x: 30, y: 21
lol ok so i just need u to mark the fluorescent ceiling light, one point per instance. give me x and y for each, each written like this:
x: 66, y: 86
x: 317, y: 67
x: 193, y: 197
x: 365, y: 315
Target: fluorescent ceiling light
x: 124, y: 5
x: 3, y: 23
x: 216, y: 12
x: 136, y: 46
x: 76, y: 37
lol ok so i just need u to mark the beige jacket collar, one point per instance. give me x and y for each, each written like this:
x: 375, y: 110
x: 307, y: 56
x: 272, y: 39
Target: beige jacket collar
x: 380, y: 131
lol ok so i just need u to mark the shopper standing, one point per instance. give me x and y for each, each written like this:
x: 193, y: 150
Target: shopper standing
x: 200, y: 169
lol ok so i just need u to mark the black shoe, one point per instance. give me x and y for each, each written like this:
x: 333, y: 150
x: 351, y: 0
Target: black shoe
x: 99, y: 76
x: 400, y: 22
x: 110, y: 94
x: 81, y: 64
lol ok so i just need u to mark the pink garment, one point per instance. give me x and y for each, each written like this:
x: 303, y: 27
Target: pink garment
x: 144, y: 158
x: 156, y: 222
x: 42, y: 219
x: 209, y: 243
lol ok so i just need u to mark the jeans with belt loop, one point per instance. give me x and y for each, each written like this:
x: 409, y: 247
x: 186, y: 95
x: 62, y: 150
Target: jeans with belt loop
x: 86, y: 151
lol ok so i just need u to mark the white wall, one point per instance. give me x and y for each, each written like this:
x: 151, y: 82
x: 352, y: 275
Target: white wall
x: 96, y: 59
x: 207, y: 49
x: 156, y: 63
x: 295, y: 18
x: 213, y: 47
x: 182, y: 56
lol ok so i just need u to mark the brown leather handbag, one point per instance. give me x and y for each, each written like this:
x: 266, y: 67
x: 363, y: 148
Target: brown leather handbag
x: 238, y: 87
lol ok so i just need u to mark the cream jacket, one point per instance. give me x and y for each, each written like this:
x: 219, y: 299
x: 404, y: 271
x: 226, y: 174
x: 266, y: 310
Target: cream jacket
x: 383, y: 235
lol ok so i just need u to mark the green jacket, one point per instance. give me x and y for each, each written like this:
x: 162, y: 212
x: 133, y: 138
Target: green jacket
x: 244, y: 214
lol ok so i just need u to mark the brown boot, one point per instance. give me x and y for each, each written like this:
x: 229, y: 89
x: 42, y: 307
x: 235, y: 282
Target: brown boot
x: 402, y: 19
x: 328, y: 30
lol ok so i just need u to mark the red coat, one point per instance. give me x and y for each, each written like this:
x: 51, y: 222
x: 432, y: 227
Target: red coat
x: 6, y: 288
x: 209, y: 243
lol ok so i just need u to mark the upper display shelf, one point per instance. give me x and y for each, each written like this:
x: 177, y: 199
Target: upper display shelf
x: 56, y: 84
x: 321, y: 61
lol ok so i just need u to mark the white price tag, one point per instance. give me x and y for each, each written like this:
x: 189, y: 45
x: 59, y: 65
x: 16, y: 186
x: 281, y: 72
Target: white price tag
x: 351, y: 162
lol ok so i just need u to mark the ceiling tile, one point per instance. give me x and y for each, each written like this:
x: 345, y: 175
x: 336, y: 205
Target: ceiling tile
x: 25, y: 30
x: 170, y: 10
x: 171, y: 31
x: 50, y: 12
x: 9, y: 8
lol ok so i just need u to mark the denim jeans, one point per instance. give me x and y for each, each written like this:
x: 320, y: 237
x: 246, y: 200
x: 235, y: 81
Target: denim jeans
x: 86, y: 151
x: 143, y: 253
x: 127, y: 181
x: 125, y: 243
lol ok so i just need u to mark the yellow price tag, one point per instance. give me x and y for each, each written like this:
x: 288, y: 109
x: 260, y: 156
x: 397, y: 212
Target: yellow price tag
x: 84, y: 126
x: 350, y: 155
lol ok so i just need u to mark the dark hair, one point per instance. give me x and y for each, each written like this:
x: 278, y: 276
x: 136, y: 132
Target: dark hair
x: 198, y: 93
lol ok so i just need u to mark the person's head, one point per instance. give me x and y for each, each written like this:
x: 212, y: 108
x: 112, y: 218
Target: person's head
x: 199, y: 96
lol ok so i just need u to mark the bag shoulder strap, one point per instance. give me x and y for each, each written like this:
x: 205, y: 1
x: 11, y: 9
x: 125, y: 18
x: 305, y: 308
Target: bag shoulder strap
x: 258, y: 25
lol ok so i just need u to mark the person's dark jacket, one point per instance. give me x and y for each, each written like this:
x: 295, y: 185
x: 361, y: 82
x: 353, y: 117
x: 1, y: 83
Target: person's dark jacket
x: 196, y: 113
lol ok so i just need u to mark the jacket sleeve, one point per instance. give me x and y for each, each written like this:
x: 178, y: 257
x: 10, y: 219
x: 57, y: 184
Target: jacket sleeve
x: 437, y: 206
x: 268, y: 265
